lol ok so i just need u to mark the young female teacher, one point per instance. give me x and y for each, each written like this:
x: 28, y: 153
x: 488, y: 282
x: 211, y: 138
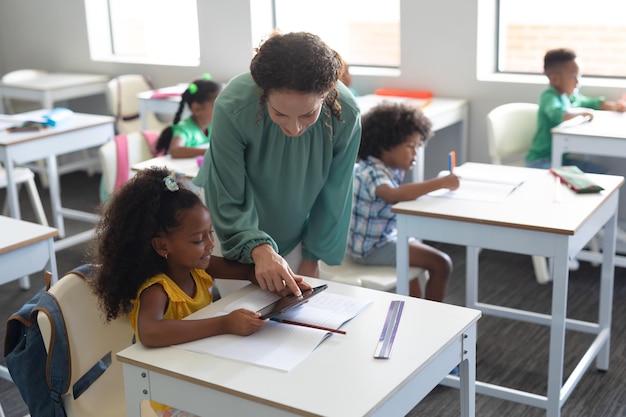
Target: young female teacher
x: 278, y: 174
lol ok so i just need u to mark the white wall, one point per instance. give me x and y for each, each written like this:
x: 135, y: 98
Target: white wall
x: 439, y: 42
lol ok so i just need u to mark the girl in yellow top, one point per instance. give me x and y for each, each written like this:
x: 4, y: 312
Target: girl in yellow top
x: 153, y: 244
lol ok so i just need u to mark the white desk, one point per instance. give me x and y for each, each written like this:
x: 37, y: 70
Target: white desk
x: 187, y: 166
x: 605, y: 135
x: 82, y: 131
x: 340, y: 378
x: 442, y: 112
x: 25, y: 248
x: 530, y: 222
x: 160, y: 105
x: 52, y: 87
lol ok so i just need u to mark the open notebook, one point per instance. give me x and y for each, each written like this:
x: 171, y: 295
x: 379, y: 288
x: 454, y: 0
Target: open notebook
x: 479, y: 185
x: 278, y: 345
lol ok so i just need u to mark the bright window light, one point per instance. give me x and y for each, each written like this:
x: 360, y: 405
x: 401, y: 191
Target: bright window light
x: 158, y: 32
x: 363, y: 32
x: 595, y: 31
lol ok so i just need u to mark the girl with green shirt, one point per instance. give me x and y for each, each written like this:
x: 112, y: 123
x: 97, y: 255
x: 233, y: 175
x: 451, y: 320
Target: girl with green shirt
x: 184, y: 138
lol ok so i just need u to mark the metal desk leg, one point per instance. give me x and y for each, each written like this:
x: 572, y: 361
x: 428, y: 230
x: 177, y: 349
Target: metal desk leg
x: 402, y: 257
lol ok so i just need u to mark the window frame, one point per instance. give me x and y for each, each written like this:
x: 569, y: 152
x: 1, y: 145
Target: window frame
x: 264, y: 11
x: 487, y: 49
x: 101, y: 45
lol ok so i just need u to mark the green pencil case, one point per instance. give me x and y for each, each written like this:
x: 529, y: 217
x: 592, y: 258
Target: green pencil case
x: 576, y: 179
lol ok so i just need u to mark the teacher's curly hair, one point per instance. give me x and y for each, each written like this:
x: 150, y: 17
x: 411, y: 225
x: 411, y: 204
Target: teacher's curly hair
x: 298, y: 61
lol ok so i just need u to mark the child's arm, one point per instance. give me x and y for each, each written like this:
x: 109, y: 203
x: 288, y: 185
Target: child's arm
x: 179, y: 150
x: 223, y: 268
x: 155, y: 331
x: 406, y: 192
x: 613, y: 105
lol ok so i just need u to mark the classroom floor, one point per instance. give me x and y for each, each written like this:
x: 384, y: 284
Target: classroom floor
x: 511, y: 353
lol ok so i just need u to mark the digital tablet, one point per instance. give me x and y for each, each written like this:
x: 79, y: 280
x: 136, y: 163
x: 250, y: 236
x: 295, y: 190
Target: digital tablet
x: 288, y: 302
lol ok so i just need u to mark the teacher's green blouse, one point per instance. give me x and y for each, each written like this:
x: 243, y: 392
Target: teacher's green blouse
x: 262, y: 186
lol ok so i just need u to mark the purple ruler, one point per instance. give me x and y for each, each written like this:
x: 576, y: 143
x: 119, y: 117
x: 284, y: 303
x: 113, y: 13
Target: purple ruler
x: 385, y: 343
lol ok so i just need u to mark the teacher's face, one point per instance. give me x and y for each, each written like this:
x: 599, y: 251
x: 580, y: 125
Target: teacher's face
x: 294, y: 111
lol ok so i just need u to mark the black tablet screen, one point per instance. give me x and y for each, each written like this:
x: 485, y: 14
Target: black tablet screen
x: 288, y: 302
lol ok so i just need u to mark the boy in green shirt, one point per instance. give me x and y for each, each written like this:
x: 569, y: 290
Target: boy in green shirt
x: 560, y: 102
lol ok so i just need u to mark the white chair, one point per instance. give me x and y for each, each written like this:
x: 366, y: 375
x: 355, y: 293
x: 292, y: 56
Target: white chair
x: 123, y: 103
x: 382, y: 278
x: 138, y: 151
x: 90, y: 338
x: 12, y: 106
x: 27, y: 177
x: 510, y: 131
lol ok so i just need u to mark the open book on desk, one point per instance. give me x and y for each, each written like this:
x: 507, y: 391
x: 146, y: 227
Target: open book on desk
x: 278, y: 345
x: 478, y: 185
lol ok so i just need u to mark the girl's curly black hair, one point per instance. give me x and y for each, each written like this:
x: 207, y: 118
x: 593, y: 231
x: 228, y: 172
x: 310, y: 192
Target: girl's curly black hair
x: 390, y: 124
x: 122, y: 247
x: 298, y: 61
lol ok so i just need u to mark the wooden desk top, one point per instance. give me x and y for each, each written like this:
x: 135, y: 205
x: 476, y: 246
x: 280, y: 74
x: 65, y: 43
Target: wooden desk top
x: 531, y: 206
x: 17, y: 234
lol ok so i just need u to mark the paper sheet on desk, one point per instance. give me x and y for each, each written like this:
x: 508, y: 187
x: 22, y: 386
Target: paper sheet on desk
x: 277, y: 345
x: 476, y: 191
x: 477, y: 186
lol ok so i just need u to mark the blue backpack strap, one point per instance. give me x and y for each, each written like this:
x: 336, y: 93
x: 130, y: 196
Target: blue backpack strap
x: 26, y: 359
x: 58, y: 356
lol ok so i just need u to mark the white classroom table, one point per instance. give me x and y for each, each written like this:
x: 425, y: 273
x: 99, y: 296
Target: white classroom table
x: 339, y: 378
x: 25, y: 248
x: 187, y: 166
x: 532, y: 220
x: 161, y: 105
x: 442, y: 112
x: 605, y: 135
x: 82, y: 131
x: 52, y: 87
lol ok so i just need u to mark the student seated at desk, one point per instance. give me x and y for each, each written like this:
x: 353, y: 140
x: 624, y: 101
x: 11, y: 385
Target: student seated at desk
x: 558, y: 103
x: 153, y: 244
x: 182, y: 138
x: 391, y: 134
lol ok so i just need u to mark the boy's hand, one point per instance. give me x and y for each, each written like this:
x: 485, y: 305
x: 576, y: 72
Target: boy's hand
x: 450, y: 182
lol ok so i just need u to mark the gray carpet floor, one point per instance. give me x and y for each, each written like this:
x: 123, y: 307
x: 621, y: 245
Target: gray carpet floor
x: 509, y: 353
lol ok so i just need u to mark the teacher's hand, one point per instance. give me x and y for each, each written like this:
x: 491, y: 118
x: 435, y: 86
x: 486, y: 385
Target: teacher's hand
x: 273, y: 273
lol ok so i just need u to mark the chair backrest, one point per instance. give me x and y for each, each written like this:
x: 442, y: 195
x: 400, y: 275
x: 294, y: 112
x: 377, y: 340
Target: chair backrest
x: 123, y: 103
x: 90, y: 339
x: 138, y: 151
x: 17, y: 76
x: 22, y: 75
x: 510, y: 131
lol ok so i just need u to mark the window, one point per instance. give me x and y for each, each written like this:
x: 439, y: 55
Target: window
x: 133, y: 31
x: 596, y: 31
x: 364, y: 32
